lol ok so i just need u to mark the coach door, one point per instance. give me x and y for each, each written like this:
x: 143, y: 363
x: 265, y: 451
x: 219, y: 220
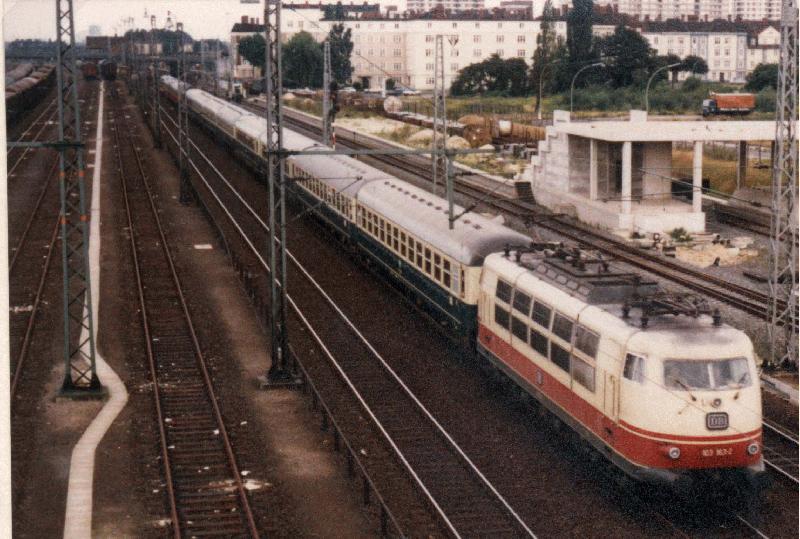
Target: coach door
x: 610, y: 396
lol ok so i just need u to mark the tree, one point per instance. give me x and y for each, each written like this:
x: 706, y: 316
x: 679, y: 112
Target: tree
x: 694, y: 64
x: 546, y: 43
x: 302, y: 61
x: 627, y: 55
x: 493, y: 75
x: 252, y: 48
x: 341, y: 49
x: 763, y: 76
x: 579, y: 31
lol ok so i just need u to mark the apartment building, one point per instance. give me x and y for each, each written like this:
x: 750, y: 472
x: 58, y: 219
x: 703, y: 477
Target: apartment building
x: 403, y: 49
x: 752, y: 10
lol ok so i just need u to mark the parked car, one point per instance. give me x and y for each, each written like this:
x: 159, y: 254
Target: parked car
x: 410, y: 91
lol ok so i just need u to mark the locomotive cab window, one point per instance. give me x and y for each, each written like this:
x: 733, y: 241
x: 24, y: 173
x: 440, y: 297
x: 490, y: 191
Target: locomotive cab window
x: 706, y: 374
x: 586, y: 341
x: 634, y: 368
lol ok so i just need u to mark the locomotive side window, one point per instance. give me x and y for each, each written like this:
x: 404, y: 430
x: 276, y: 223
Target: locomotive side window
x: 634, y: 368
x: 583, y: 373
x: 519, y: 329
x: 437, y: 267
x: 522, y: 302
x: 559, y: 356
x: 503, y: 291
x: 539, y: 342
x: 562, y: 326
x: 427, y: 261
x: 501, y: 316
x: 586, y: 341
x: 541, y: 314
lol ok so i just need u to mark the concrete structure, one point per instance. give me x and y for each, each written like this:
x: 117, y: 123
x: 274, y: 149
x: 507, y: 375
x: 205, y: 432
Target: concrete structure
x: 699, y: 10
x: 618, y: 174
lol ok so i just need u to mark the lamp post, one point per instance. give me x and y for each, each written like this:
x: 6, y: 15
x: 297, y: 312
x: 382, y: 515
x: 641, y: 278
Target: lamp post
x: 647, y: 88
x: 572, y: 84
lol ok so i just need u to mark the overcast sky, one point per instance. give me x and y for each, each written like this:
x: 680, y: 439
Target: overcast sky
x: 201, y: 18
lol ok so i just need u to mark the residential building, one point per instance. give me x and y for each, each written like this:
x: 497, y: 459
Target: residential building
x: 764, y: 44
x: 403, y: 49
x: 722, y: 44
x: 422, y: 6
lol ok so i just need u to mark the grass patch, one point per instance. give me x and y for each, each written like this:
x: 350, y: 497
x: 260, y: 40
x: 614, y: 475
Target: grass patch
x: 721, y: 172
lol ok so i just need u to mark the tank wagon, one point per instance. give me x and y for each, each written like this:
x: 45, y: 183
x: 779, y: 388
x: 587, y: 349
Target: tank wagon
x: 19, y: 72
x: 655, y: 383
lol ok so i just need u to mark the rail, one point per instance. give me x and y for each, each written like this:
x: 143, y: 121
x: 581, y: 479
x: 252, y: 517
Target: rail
x: 392, y: 443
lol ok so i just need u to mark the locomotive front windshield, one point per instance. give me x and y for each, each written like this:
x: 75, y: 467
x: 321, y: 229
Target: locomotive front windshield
x: 715, y: 374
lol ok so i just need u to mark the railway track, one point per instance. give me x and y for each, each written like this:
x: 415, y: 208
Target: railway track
x: 464, y: 500
x: 205, y: 489
x: 50, y: 111
x: 780, y: 449
x: 31, y: 257
x: 743, y: 298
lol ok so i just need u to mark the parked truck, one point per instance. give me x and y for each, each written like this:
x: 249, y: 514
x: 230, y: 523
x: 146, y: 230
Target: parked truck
x: 729, y: 104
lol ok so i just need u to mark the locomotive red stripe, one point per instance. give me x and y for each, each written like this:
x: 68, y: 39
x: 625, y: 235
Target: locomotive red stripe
x: 696, y: 452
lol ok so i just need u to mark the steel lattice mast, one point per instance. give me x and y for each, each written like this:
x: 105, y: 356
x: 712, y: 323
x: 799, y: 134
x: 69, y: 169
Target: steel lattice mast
x: 327, y: 127
x: 782, y: 328
x: 439, y: 116
x: 280, y: 371
x: 185, y: 195
x: 80, y: 376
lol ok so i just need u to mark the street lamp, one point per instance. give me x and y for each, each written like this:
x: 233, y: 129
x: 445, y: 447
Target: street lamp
x: 572, y: 85
x: 647, y: 88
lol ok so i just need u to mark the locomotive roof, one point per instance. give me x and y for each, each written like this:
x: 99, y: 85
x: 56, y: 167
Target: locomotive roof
x: 473, y: 236
x: 612, y: 292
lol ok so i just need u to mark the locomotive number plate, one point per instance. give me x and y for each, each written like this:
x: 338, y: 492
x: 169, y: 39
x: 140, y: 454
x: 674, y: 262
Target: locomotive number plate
x: 717, y: 421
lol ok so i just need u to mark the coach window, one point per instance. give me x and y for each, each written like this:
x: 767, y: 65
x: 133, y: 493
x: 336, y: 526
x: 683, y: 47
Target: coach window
x: 539, y: 342
x: 503, y: 291
x: 586, y: 341
x: 501, y: 316
x: 446, y: 273
x: 403, y: 244
x: 427, y: 260
x: 437, y: 267
x: 541, y: 314
x: 522, y: 302
x: 419, y: 255
x: 562, y: 326
x: 382, y: 228
x: 395, y: 241
x: 519, y: 329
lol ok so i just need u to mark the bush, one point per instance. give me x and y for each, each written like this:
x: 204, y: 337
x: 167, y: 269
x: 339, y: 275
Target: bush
x: 765, y: 100
x: 691, y: 84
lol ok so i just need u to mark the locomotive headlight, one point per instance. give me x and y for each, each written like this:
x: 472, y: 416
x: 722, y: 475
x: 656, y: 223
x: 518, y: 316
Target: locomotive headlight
x: 674, y: 453
x: 752, y: 449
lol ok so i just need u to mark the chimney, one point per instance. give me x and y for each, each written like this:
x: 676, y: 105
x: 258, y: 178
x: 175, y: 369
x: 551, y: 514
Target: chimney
x: 244, y: 19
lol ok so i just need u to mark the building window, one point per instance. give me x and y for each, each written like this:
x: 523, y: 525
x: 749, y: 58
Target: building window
x: 454, y: 53
x: 428, y: 52
x: 398, y: 67
x: 500, y: 53
x: 455, y: 25
x: 500, y: 39
x: 476, y: 52
x: 428, y: 39
x: 476, y: 38
x: 521, y: 52
x: 428, y: 67
x: 520, y: 39
x: 453, y: 67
